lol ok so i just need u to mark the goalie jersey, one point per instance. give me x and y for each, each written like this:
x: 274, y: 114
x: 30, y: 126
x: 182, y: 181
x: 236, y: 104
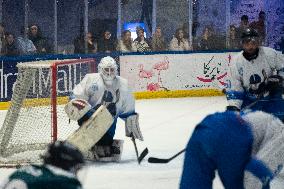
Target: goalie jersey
x: 92, y: 89
x: 43, y: 177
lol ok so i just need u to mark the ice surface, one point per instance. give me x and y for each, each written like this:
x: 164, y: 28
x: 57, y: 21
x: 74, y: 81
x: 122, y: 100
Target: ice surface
x: 166, y: 125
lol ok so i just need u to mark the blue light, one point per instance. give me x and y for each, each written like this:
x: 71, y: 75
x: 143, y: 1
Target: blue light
x: 131, y: 26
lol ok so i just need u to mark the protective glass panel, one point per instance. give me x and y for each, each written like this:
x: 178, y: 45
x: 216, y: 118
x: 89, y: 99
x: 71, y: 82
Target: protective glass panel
x: 102, y: 21
x: 70, y: 21
x: 220, y: 19
x: 41, y: 25
x: 211, y: 30
x: 173, y: 19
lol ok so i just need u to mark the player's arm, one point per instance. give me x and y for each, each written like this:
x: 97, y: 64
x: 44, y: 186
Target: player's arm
x: 78, y: 108
x: 78, y: 105
x: 275, y: 82
x: 280, y: 64
x: 80, y: 91
x: 235, y: 91
x: 131, y: 117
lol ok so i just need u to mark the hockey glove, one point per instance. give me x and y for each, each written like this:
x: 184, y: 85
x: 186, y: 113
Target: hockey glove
x: 77, y: 108
x: 257, y: 89
x: 232, y: 108
x: 132, y: 127
x: 274, y: 84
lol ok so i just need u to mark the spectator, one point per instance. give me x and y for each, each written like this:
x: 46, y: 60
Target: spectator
x: 126, y: 44
x: 107, y: 43
x: 25, y: 45
x: 234, y: 41
x: 207, y: 40
x: 80, y: 44
x: 179, y: 43
x: 10, y: 47
x: 40, y: 42
x: 2, y: 35
x: 259, y: 26
x: 185, y: 27
x: 158, y: 41
x: 141, y: 43
x: 244, y: 24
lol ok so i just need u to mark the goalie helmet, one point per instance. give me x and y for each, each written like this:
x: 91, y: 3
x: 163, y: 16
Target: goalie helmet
x: 63, y: 155
x: 108, y: 69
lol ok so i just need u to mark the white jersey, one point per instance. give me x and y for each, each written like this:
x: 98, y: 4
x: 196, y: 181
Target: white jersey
x: 244, y: 73
x: 268, y: 135
x: 92, y: 88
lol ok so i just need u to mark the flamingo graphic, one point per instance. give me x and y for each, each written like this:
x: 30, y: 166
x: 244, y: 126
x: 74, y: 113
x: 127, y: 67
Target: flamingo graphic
x: 153, y: 87
x: 164, y: 65
x: 145, y: 73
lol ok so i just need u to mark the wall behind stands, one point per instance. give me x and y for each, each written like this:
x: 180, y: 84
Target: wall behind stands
x: 176, y: 75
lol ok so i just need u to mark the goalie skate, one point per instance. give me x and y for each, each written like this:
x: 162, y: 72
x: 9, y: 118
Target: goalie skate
x: 92, y: 130
x: 108, y: 153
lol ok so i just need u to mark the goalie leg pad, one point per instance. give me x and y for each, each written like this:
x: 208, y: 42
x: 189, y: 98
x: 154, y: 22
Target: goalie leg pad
x: 92, y: 130
x: 132, y: 127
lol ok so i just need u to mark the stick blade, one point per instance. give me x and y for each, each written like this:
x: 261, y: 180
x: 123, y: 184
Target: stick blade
x: 143, y: 154
x: 157, y: 160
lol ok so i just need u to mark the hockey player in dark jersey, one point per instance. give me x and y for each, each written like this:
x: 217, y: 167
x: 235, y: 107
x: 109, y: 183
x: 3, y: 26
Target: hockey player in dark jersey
x: 60, y: 164
x: 235, y: 145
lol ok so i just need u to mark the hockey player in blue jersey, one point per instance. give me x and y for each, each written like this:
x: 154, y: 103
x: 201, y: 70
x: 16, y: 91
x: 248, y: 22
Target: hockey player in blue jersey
x: 60, y: 164
x: 231, y: 143
x: 256, y: 77
x: 109, y: 89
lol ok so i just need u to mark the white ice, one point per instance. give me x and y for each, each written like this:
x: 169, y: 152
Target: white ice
x: 166, y: 125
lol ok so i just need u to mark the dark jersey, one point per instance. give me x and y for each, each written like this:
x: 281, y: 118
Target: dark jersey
x: 43, y: 177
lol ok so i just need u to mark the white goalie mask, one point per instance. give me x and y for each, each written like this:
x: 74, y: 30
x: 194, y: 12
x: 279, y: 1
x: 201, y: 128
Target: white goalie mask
x: 108, y: 69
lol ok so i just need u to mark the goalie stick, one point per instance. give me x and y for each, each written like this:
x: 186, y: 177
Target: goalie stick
x: 142, y: 155
x: 161, y: 160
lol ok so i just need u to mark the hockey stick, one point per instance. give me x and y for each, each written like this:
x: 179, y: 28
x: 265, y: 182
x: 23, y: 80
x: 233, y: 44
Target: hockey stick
x: 143, y: 154
x: 160, y: 160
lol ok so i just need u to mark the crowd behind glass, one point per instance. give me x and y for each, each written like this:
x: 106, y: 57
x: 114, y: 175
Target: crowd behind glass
x: 34, y: 41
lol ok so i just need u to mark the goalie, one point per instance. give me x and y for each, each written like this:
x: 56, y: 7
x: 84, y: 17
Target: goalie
x: 108, y: 89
